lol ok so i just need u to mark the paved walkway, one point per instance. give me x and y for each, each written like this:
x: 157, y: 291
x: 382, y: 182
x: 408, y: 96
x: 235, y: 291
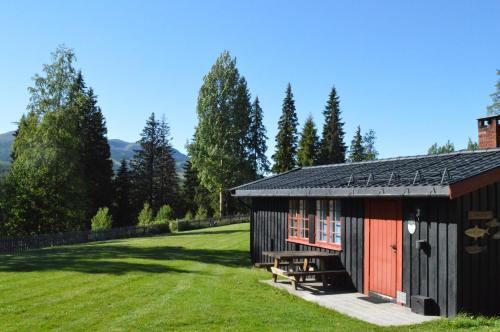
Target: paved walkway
x: 355, y: 305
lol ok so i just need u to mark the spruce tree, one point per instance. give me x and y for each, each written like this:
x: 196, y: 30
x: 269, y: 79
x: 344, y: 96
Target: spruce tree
x: 95, y: 153
x: 189, y: 187
x: 307, y: 154
x: 357, y: 151
x: 123, y: 212
x: 494, y: 108
x: 257, y: 141
x: 166, y: 180
x: 285, y: 157
x: 333, y: 148
x: 218, y: 149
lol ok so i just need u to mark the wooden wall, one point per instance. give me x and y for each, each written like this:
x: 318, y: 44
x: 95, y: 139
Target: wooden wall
x: 269, y: 232
x: 431, y: 271
x: 479, y: 277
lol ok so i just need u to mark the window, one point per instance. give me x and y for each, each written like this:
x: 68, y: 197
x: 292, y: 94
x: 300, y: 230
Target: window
x: 328, y: 223
x: 298, y: 221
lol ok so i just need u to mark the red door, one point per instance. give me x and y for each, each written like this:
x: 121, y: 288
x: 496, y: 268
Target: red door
x: 383, y: 247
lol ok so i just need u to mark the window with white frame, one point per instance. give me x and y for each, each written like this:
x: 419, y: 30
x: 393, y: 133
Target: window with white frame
x: 328, y: 222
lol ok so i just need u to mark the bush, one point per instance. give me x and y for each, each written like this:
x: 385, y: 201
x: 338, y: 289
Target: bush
x: 188, y: 216
x: 165, y: 214
x: 201, y: 213
x: 102, y: 220
x: 145, y: 217
x: 173, y: 226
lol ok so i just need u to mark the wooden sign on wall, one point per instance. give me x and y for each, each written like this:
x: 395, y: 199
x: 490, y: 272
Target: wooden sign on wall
x: 480, y: 215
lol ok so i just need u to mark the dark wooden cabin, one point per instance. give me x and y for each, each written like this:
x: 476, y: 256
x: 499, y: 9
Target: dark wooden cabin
x: 399, y: 225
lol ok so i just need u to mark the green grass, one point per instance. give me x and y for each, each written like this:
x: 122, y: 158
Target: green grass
x: 192, y: 281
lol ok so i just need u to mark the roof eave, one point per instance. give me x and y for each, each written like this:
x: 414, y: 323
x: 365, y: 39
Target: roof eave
x: 408, y: 191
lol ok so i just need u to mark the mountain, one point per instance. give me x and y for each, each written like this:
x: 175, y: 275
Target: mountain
x: 119, y: 149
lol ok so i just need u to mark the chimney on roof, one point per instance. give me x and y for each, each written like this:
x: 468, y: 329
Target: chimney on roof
x: 489, y: 132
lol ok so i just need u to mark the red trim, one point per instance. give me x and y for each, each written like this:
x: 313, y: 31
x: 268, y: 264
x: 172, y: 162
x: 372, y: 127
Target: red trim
x: 469, y: 185
x: 366, y: 272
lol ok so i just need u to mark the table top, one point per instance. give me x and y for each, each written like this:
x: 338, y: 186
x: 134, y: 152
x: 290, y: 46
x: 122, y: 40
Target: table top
x: 298, y: 254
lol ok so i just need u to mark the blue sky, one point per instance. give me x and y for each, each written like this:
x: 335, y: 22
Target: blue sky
x: 417, y: 72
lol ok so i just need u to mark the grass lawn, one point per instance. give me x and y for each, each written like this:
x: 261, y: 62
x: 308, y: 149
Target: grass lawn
x: 193, y: 281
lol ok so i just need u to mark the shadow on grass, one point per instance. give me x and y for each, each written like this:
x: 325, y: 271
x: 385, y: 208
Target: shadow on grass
x: 112, y: 259
x: 207, y: 232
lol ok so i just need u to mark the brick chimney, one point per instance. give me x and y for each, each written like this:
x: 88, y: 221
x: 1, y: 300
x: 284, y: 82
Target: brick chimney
x: 489, y: 132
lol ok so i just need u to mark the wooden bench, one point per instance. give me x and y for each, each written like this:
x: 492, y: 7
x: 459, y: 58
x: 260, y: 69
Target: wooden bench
x: 294, y: 276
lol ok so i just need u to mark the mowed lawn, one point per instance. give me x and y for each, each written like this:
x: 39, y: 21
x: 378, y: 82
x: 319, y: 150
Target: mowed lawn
x: 194, y: 281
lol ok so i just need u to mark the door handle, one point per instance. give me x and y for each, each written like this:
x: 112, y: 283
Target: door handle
x: 393, y: 247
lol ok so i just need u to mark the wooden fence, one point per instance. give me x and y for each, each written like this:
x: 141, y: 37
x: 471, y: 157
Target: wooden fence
x: 24, y: 243
x: 184, y: 225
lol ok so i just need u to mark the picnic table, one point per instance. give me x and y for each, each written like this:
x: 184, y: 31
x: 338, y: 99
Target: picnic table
x: 295, y: 272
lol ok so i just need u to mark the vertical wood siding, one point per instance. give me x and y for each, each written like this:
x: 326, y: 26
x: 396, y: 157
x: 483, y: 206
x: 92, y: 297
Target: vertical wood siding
x: 479, y: 275
x: 431, y: 272
x: 269, y: 232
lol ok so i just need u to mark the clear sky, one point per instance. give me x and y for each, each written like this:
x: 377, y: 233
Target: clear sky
x: 417, y: 72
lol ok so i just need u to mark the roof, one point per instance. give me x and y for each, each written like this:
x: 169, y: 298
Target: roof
x: 445, y: 175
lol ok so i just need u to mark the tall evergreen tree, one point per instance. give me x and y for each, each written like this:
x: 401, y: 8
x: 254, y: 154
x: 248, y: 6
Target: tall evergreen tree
x: 285, y: 157
x: 471, y: 145
x: 189, y: 187
x: 257, y: 141
x: 446, y: 148
x: 307, y: 154
x: 166, y: 173
x: 216, y: 151
x: 494, y: 108
x: 95, y: 153
x: 333, y: 148
x: 357, y: 151
x: 123, y: 212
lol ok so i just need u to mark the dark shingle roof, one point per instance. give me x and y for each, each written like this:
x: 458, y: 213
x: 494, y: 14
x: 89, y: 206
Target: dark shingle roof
x: 429, y: 175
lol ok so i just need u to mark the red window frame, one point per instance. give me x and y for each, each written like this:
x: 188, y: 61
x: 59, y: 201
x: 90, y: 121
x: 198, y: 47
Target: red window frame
x: 298, y: 221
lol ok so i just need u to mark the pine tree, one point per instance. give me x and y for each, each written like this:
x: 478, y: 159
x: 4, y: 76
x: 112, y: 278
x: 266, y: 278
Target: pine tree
x: 446, y: 148
x: 357, y: 151
x: 189, y: 187
x: 143, y: 163
x: 95, y: 153
x: 307, y: 153
x: 333, y: 148
x: 285, y: 157
x: 123, y: 212
x: 494, y: 108
x: 218, y: 149
x: 471, y: 145
x: 257, y: 145
x: 165, y: 173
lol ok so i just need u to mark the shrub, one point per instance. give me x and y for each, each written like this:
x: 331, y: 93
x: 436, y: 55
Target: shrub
x: 164, y: 214
x: 102, y: 220
x: 145, y: 217
x: 188, y: 216
x: 201, y: 213
x: 173, y: 226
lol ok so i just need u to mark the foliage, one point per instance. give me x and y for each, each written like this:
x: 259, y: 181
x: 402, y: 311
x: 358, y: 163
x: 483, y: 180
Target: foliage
x: 494, y: 108
x: 257, y: 141
x: 153, y: 166
x: 357, y: 150
x: 333, y: 148
x: 219, y: 147
x: 201, y: 213
x: 446, y: 148
x: 45, y: 190
x: 165, y: 213
x: 145, y: 217
x: 369, y: 139
x: 193, y: 193
x: 188, y: 216
x: 471, y: 145
x: 285, y: 156
x: 102, y: 220
x: 95, y: 155
x: 122, y: 205
x: 307, y: 154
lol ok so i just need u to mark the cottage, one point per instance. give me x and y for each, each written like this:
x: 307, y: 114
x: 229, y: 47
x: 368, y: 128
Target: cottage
x: 403, y: 227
